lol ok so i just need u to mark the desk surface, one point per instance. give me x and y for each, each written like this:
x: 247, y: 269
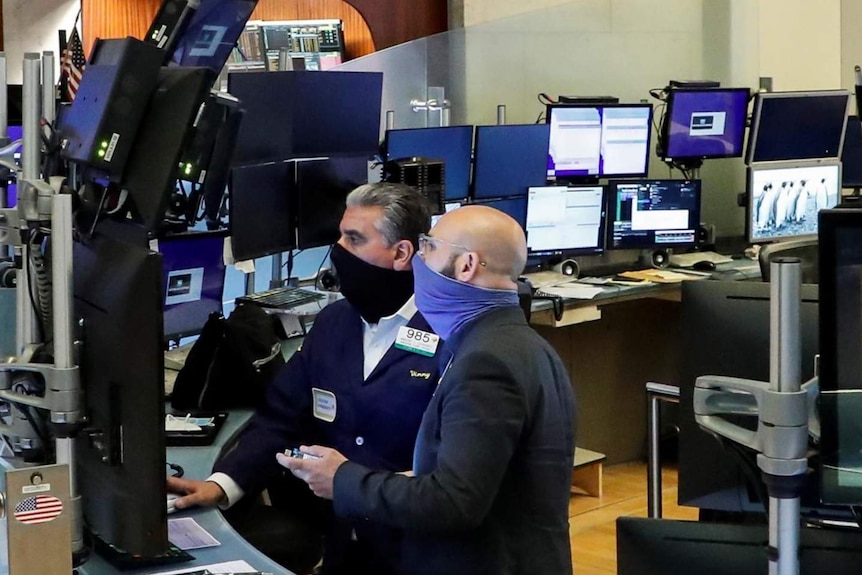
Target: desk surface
x: 197, y: 463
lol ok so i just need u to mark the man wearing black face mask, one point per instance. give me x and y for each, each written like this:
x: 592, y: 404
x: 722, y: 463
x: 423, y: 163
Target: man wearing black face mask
x: 360, y: 383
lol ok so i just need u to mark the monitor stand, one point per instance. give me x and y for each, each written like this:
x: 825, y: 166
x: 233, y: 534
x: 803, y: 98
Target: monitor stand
x: 125, y: 561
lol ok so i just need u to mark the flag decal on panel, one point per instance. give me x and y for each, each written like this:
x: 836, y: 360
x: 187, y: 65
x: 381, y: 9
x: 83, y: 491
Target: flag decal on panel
x: 38, y: 509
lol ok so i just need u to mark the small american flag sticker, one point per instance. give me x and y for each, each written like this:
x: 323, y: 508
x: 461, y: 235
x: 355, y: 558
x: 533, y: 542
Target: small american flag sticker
x: 38, y: 509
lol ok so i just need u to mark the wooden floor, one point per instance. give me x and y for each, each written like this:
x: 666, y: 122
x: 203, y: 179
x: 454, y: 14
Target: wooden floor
x: 592, y: 520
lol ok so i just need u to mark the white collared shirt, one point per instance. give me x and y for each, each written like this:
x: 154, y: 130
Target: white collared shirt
x: 377, y: 338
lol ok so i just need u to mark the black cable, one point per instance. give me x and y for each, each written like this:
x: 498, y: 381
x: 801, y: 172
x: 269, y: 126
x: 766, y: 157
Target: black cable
x: 323, y: 261
x: 177, y: 469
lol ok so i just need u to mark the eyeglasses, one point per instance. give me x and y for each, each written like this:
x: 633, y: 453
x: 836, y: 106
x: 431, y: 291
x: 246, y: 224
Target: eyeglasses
x: 426, y: 241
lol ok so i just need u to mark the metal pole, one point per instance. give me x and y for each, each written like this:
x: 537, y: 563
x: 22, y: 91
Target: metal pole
x: 277, y: 262
x: 784, y: 376
x: 656, y: 392
x: 27, y: 204
x: 49, y: 98
x: 4, y: 97
x: 501, y: 115
x: 61, y: 269
x: 390, y: 120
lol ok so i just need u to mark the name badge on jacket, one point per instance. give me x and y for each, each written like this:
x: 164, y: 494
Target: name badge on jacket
x: 324, y: 405
x: 417, y: 341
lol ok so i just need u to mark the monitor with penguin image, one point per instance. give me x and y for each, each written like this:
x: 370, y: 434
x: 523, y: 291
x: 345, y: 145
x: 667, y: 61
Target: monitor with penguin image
x: 784, y: 198
x: 651, y: 214
x: 565, y: 221
x: 590, y: 141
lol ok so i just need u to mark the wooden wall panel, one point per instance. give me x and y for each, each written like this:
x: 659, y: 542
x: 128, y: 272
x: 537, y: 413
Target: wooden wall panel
x: 368, y: 24
x: 133, y: 17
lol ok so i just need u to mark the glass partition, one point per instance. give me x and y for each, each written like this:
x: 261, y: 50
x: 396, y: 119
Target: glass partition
x: 621, y: 48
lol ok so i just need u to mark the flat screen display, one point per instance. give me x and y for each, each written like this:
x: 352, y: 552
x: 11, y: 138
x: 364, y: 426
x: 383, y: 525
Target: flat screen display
x: 592, y: 141
x: 565, y: 220
x: 797, y: 126
x: 510, y: 159
x: 784, y: 200
x: 707, y: 123
x: 651, y: 214
x: 452, y: 144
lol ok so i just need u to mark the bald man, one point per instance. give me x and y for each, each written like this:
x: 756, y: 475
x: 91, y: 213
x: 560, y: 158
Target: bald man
x: 489, y: 490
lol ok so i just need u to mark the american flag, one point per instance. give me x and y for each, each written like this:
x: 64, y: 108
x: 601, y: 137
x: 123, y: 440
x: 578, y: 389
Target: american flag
x: 39, y: 509
x: 73, y: 63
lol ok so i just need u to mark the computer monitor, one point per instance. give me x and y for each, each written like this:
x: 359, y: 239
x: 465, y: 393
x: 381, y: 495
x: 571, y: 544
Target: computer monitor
x: 797, y: 126
x: 840, y: 365
x: 565, y: 221
x: 650, y: 214
x: 704, y: 123
x: 211, y: 34
x: 322, y: 186
x: 510, y: 159
x: 598, y: 140
x: 851, y: 155
x: 193, y: 279
x: 451, y: 144
x: 261, y: 210
x: 447, y: 207
x: 514, y: 207
x: 120, y: 459
x: 306, y: 115
x: 784, y: 198
x: 151, y: 172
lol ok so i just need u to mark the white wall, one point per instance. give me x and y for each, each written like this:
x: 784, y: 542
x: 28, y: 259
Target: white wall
x: 851, y: 41
x: 800, y: 43
x: 32, y: 26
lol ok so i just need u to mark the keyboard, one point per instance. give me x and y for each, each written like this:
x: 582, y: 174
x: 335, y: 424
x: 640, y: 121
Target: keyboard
x: 688, y: 260
x: 282, y: 297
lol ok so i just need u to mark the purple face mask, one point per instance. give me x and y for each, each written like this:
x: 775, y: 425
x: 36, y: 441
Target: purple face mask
x: 448, y: 304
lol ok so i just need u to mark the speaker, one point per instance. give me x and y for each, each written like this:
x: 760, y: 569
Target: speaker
x: 99, y: 128
x: 327, y: 280
x: 660, y: 258
x: 567, y: 268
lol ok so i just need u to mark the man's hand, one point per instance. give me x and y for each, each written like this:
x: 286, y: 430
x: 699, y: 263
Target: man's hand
x: 203, y: 493
x: 317, y: 473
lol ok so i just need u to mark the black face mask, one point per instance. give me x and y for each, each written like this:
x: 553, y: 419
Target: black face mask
x: 375, y: 292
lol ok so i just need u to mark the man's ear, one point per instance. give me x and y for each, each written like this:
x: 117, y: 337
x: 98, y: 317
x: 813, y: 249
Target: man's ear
x: 403, y: 255
x: 468, y: 267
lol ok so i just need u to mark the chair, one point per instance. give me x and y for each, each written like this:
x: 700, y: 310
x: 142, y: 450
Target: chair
x: 806, y: 250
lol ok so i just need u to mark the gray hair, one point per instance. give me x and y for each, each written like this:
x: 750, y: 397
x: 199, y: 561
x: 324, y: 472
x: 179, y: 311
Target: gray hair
x: 406, y: 213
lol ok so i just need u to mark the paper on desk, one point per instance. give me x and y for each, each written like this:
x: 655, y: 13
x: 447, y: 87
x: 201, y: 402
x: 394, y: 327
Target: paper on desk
x: 661, y: 276
x: 187, y: 534
x: 226, y: 567
x: 573, y: 291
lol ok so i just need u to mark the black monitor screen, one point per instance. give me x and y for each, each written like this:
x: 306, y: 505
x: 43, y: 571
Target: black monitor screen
x: 851, y: 156
x: 565, y: 220
x: 306, y: 114
x: 705, y: 123
x: 784, y: 199
x: 590, y: 141
x: 212, y: 33
x: 121, y: 462
x: 840, y: 360
x: 514, y: 207
x: 194, y: 271
x: 321, y: 188
x: 510, y: 159
x: 453, y: 145
x: 797, y: 126
x: 653, y: 213
x: 262, y: 210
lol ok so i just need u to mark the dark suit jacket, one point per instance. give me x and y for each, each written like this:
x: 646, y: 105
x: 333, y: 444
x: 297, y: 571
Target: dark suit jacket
x: 376, y: 419
x: 493, y: 461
